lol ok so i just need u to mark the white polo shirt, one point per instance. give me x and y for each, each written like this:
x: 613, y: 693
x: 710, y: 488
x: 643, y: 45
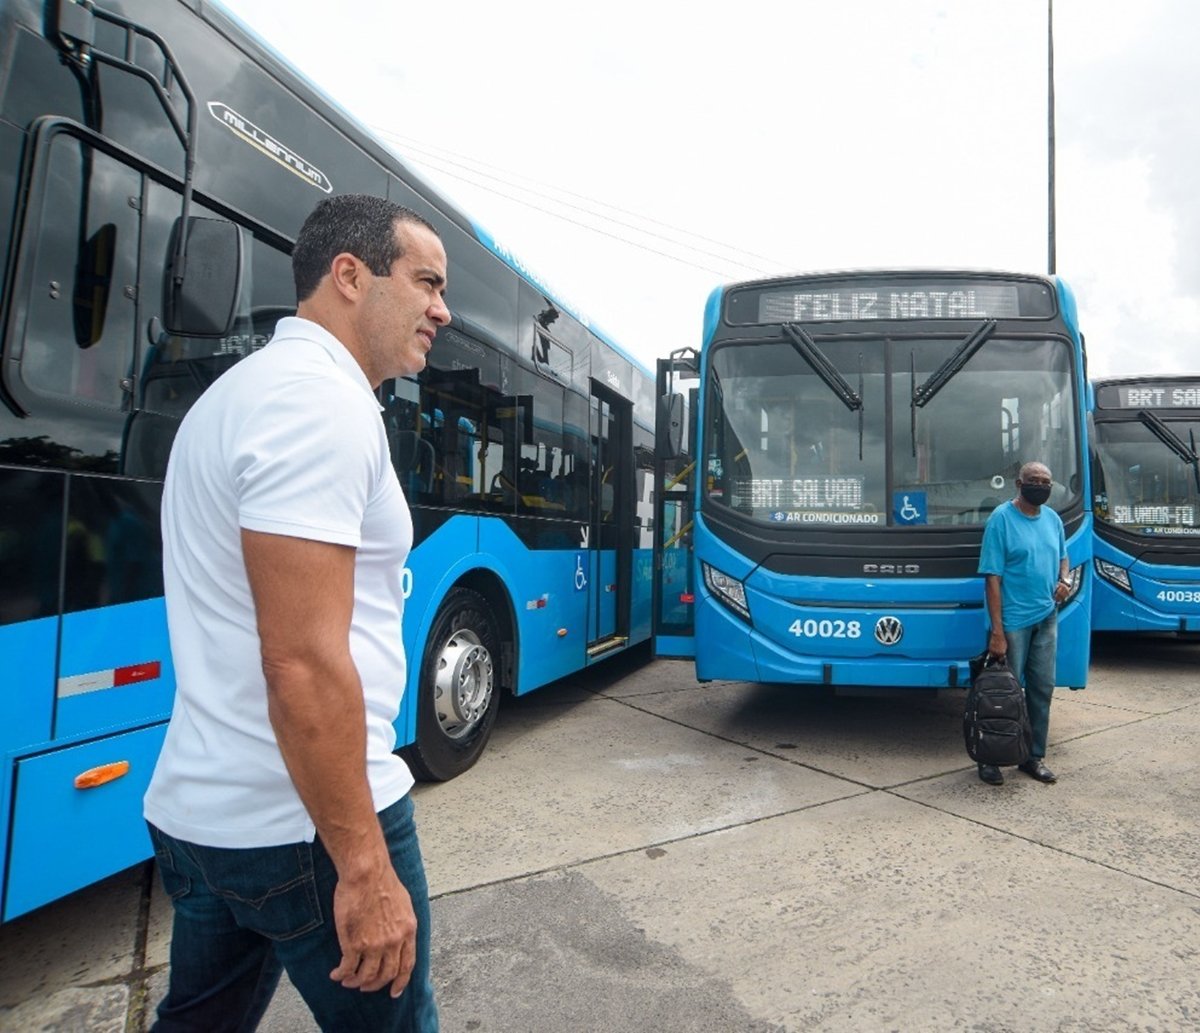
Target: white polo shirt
x: 289, y: 442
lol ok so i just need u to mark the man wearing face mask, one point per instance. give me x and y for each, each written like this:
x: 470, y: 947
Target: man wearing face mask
x: 1024, y: 560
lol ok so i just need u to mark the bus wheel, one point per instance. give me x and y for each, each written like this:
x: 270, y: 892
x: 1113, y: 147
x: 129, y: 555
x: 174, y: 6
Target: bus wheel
x: 458, y: 698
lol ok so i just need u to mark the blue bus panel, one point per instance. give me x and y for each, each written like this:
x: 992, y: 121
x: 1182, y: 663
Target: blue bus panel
x: 66, y: 835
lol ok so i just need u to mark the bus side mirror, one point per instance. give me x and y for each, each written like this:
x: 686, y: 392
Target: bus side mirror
x: 203, y: 300
x: 670, y: 422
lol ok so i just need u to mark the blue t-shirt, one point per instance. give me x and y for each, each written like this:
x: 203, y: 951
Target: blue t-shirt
x: 1026, y: 552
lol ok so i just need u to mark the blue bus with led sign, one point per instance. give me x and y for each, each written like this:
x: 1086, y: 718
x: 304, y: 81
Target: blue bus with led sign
x: 1146, y: 487
x: 828, y: 458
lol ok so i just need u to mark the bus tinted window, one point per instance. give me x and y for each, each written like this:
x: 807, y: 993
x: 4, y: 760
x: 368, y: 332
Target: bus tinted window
x: 1013, y: 402
x: 80, y: 331
x: 782, y: 447
x: 542, y: 464
x: 1141, y: 483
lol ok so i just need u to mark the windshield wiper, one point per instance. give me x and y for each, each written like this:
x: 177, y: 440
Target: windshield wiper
x: 1173, y: 441
x: 828, y: 372
x: 924, y: 394
x: 822, y: 367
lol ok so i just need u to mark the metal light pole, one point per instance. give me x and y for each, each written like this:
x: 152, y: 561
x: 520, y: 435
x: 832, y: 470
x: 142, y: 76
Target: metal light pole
x: 1050, y: 128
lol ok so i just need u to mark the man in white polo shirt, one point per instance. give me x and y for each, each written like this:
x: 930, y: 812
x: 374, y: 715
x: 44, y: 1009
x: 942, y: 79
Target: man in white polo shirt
x: 280, y: 816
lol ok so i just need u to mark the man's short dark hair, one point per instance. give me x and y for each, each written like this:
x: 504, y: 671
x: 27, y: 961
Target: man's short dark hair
x: 363, y: 225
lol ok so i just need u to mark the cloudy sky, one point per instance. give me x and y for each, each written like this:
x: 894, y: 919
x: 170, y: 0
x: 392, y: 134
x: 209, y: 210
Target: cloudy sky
x: 640, y: 152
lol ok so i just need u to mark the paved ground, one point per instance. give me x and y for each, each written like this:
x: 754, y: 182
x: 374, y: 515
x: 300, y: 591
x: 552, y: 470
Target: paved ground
x: 637, y: 852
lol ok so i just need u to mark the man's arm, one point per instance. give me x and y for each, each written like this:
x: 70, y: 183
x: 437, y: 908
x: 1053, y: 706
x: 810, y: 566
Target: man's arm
x: 997, y: 643
x: 303, y: 599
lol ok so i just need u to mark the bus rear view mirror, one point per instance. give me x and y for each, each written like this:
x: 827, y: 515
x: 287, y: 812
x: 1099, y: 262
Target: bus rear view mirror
x: 670, y: 421
x: 202, y: 295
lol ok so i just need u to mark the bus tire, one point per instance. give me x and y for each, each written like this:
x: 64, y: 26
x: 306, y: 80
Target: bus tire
x: 458, y: 692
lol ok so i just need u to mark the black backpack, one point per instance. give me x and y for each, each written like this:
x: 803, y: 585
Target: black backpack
x: 996, y: 720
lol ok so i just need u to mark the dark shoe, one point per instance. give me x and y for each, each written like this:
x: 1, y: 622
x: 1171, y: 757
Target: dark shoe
x: 991, y: 774
x: 1034, y: 768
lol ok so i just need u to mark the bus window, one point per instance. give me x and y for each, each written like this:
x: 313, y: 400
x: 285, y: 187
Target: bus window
x: 79, y: 336
x: 470, y: 429
x: 541, y: 465
x: 784, y: 447
x: 575, y: 476
x: 412, y: 451
x: 174, y: 370
x: 1012, y: 403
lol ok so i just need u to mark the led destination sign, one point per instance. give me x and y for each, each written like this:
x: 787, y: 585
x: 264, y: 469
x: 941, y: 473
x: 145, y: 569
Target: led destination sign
x: 1149, y: 396
x: 821, y: 500
x: 824, y: 301
x: 1160, y: 516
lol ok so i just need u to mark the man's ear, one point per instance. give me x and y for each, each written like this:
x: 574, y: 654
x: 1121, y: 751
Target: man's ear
x: 347, y: 275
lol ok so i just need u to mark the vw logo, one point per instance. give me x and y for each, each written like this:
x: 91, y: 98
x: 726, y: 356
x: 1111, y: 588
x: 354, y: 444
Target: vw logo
x: 888, y: 631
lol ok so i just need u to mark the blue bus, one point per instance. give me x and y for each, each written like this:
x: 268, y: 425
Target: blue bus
x: 156, y: 161
x: 1146, y: 487
x: 827, y: 461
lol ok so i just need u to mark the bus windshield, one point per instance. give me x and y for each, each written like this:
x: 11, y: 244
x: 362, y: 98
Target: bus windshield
x: 1142, y: 484
x: 781, y: 446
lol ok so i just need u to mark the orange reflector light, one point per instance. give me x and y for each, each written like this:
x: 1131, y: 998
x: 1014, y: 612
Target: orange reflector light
x: 104, y: 773
x: 562, y: 632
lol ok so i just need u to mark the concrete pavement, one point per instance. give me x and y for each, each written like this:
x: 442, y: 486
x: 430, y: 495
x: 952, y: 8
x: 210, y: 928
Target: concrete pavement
x: 638, y: 852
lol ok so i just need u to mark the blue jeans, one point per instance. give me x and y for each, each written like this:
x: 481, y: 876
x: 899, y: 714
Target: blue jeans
x: 1031, y: 657
x: 244, y: 916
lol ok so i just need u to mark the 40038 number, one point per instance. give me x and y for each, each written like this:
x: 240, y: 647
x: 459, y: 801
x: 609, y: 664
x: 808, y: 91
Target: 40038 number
x: 813, y: 628
x: 1178, y: 595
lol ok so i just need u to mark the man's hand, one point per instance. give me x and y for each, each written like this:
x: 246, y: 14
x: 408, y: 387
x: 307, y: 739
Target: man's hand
x: 997, y: 644
x: 377, y: 931
x: 1061, y: 591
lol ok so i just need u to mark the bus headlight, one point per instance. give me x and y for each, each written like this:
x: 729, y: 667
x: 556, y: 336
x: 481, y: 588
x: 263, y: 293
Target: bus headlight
x: 1114, y: 575
x: 729, y: 590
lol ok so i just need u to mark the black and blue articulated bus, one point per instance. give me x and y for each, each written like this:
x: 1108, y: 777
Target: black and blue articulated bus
x: 156, y: 161
x: 1145, y: 439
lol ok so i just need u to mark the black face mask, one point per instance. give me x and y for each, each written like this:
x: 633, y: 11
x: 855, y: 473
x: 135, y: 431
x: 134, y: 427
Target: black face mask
x: 1035, y: 494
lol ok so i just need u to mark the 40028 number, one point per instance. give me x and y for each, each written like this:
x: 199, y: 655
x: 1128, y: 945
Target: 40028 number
x: 813, y: 628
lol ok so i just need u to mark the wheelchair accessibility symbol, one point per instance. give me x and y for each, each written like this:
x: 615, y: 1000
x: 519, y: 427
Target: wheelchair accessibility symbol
x: 909, y: 507
x: 580, y: 576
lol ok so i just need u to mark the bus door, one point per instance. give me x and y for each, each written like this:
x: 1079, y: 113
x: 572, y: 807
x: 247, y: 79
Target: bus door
x: 610, y: 523
x: 677, y: 392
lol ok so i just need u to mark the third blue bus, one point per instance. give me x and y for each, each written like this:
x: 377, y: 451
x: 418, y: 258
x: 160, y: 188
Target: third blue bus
x: 1146, y: 479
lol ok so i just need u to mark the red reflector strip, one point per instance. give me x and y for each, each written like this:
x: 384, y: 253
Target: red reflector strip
x: 96, y: 681
x: 137, y: 673
x: 687, y: 597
